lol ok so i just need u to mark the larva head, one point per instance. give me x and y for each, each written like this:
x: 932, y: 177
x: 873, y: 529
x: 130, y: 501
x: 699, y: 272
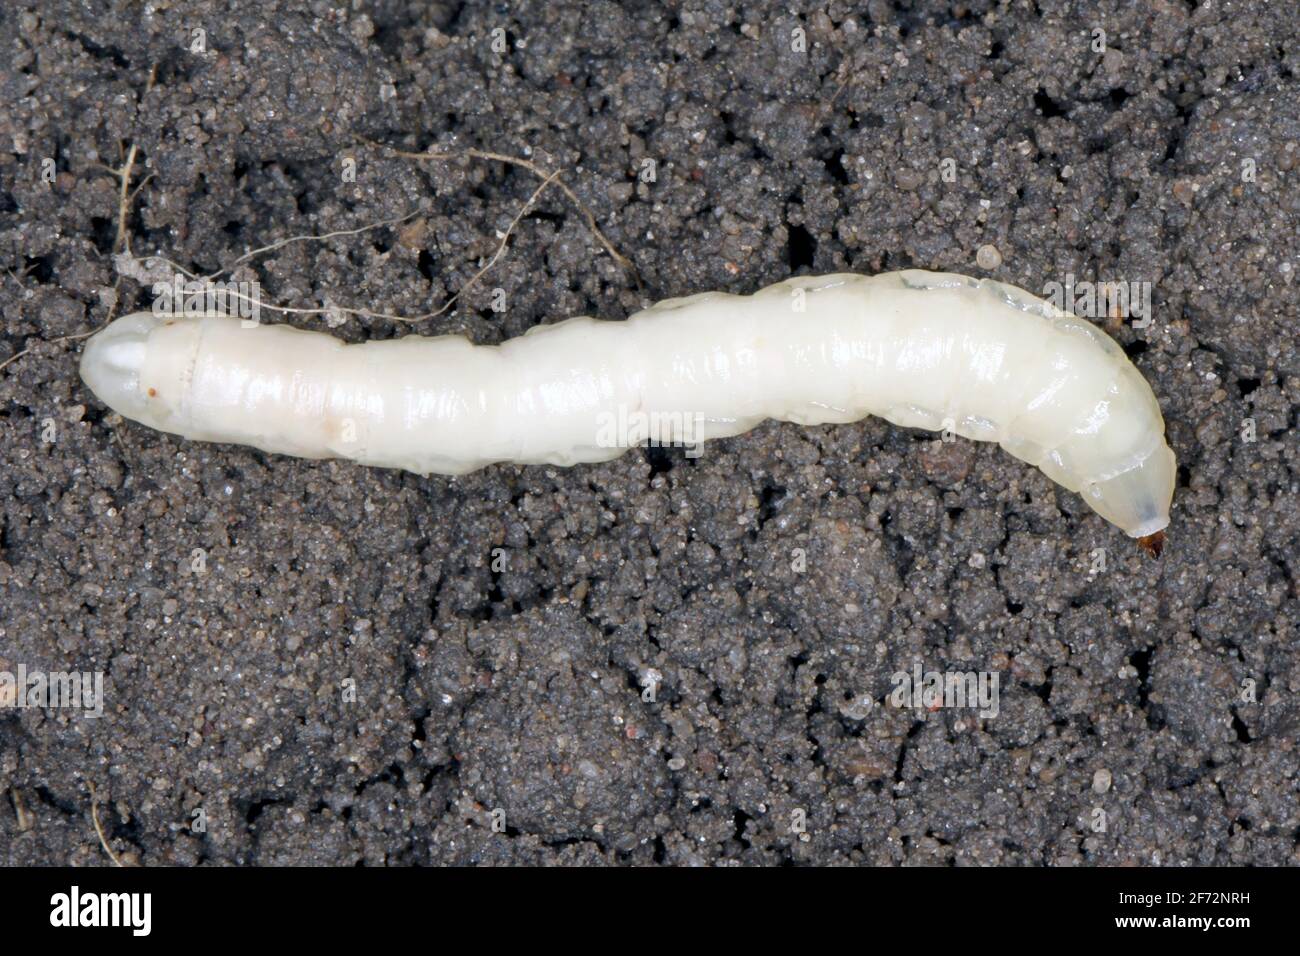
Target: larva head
x: 1137, y: 500
x: 130, y: 367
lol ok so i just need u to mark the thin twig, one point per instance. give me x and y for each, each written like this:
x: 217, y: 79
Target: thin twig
x: 125, y: 199
x: 280, y: 243
x: 536, y: 171
x: 63, y: 338
x: 368, y: 313
x: 126, y: 196
x: 94, y: 816
x: 20, y: 811
x: 123, y: 240
x: 523, y: 210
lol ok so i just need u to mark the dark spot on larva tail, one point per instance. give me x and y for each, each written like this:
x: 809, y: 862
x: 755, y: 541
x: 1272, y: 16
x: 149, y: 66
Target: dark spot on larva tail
x: 1153, y: 544
x: 153, y: 393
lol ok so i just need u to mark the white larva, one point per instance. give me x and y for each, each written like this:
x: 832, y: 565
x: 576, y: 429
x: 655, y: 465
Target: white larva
x: 922, y: 349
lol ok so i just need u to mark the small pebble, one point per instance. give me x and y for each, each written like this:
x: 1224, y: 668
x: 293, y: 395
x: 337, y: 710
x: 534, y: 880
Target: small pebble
x: 988, y: 257
x: 1101, y: 781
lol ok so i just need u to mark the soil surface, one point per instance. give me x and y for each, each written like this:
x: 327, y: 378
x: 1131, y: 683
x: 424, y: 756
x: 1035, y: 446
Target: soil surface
x: 661, y: 659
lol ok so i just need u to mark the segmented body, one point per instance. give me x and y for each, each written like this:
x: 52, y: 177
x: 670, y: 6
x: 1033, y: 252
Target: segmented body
x: 925, y: 350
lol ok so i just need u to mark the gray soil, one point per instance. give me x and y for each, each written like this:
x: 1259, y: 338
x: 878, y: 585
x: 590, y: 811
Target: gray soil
x: 768, y: 589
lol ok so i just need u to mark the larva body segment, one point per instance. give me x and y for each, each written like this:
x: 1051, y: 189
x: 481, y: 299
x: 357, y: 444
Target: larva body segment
x: 921, y: 349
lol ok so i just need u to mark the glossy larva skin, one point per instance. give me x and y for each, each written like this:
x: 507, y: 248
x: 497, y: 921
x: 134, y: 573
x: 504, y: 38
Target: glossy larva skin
x: 921, y: 349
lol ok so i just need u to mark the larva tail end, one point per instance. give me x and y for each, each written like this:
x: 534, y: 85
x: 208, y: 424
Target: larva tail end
x: 1137, y: 499
x: 1152, y: 544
